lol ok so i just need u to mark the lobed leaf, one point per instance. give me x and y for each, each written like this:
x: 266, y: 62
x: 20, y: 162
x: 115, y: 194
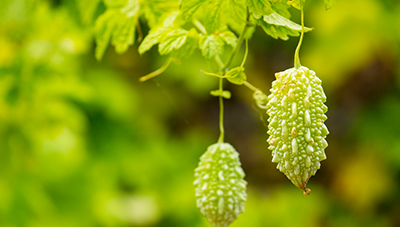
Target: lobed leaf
x: 189, y: 7
x: 329, y: 4
x: 236, y: 75
x: 189, y: 46
x: 259, y: 8
x: 155, y: 11
x: 213, y: 16
x: 276, y: 19
x: 211, y: 46
x: 278, y: 26
x: 153, y: 38
x: 298, y: 4
x: 118, y: 25
x: 223, y: 94
x: 173, y: 40
x: 229, y: 38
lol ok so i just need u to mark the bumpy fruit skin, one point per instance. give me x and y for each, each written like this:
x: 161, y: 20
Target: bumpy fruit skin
x: 296, y: 124
x: 220, y: 187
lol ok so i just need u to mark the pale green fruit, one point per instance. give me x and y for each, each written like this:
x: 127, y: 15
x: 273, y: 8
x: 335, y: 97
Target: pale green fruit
x: 296, y: 124
x: 220, y: 187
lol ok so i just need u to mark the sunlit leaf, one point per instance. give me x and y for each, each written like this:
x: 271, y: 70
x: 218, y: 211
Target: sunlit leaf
x: 153, y: 38
x: 259, y: 8
x: 278, y: 26
x: 329, y: 4
x: 224, y: 94
x: 118, y: 25
x: 298, y: 4
x: 173, y: 40
x: 211, y: 46
x: 229, y: 38
x: 189, y: 7
x: 236, y: 75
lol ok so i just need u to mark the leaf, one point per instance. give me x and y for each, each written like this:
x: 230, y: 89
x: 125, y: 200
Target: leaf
x: 211, y: 12
x: 223, y: 94
x: 153, y: 38
x: 117, y: 24
x: 173, y: 40
x: 278, y: 26
x: 237, y: 12
x: 236, y: 76
x: 155, y: 11
x: 282, y: 8
x: 259, y: 8
x: 298, y: 4
x: 211, y: 46
x: 213, y: 16
x: 169, y: 21
x: 229, y: 38
x: 329, y: 4
x: 87, y: 9
x: 189, y: 7
x: 189, y: 46
x: 123, y: 35
x: 279, y: 20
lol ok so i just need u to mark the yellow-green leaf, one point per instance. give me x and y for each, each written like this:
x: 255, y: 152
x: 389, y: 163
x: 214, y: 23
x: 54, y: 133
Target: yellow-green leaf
x: 236, y: 75
x: 224, y: 94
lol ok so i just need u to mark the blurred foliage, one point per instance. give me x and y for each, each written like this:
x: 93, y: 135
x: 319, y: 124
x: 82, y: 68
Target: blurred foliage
x: 83, y: 143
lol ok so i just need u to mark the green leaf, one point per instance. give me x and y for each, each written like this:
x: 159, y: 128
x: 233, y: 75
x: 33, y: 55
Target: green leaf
x: 153, y: 38
x: 236, y: 75
x: 278, y: 26
x: 211, y: 12
x: 279, y: 20
x: 155, y: 11
x: 213, y: 16
x: 169, y: 21
x: 189, y: 7
x: 117, y: 24
x: 259, y: 8
x: 173, y: 40
x: 189, y: 46
x: 87, y: 9
x: 298, y: 4
x: 223, y: 94
x: 282, y: 8
x: 236, y: 12
x: 229, y: 38
x: 329, y: 4
x: 211, y: 46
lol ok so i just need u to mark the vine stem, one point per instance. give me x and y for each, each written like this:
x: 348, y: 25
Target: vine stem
x: 157, y: 72
x: 238, y: 44
x: 249, y: 85
x: 246, y: 53
x: 221, y: 113
x: 296, y: 55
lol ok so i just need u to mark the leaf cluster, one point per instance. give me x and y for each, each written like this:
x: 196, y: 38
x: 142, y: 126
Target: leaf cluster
x: 179, y: 28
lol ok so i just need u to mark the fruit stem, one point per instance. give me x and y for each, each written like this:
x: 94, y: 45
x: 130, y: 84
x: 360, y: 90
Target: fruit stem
x: 296, y: 55
x: 221, y: 113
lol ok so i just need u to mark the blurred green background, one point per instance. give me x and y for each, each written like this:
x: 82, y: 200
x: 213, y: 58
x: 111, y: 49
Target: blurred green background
x: 83, y: 143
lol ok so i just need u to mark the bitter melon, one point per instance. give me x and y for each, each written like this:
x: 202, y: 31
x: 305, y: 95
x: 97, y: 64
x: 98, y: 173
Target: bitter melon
x: 220, y: 187
x: 296, y: 124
